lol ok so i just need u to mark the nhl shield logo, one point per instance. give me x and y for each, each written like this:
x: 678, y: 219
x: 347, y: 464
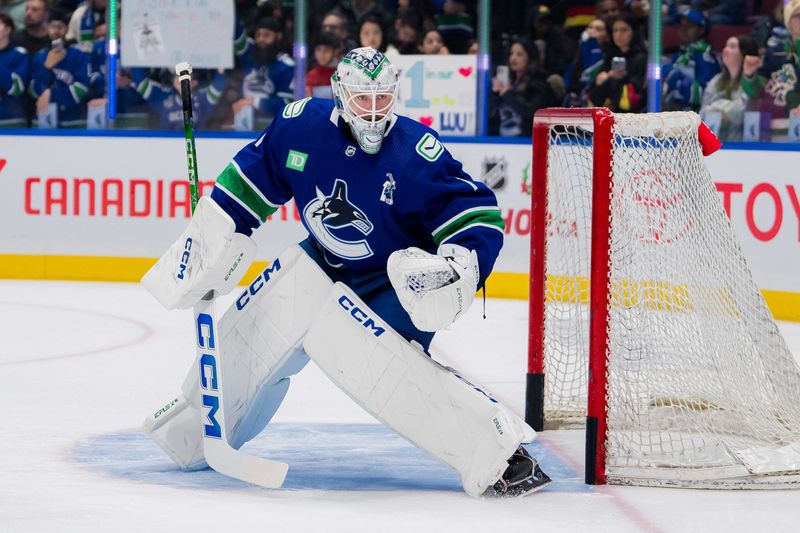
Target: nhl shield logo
x: 493, y: 172
x: 350, y: 151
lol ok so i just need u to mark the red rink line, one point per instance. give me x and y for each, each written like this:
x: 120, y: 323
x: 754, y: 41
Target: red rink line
x: 144, y: 334
x: 626, y: 508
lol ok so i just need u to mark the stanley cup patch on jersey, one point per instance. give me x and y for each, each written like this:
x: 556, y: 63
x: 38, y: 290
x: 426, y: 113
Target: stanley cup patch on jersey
x: 387, y: 194
x: 328, y: 217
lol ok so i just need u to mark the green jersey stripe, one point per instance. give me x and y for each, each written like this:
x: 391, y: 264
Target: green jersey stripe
x: 252, y: 185
x: 17, y: 85
x: 244, y: 206
x: 240, y: 189
x: 469, y: 226
x: 464, y: 213
x: 474, y: 217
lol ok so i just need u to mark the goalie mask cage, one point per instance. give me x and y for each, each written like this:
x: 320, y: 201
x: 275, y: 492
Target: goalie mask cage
x: 646, y: 326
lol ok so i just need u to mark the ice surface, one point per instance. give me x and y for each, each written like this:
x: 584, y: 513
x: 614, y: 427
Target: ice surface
x: 83, y: 363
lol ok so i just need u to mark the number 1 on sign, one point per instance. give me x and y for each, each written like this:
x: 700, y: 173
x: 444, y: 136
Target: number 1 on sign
x: 417, y: 75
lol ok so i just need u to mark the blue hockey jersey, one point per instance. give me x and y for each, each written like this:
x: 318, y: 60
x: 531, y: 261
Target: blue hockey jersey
x: 68, y: 82
x: 270, y: 86
x: 166, y: 101
x: 359, y: 208
x: 132, y: 110
x: 14, y: 76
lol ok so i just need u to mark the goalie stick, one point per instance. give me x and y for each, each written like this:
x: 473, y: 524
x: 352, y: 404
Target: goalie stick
x: 218, y: 453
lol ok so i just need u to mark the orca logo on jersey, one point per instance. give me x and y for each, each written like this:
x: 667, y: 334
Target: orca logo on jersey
x: 328, y: 215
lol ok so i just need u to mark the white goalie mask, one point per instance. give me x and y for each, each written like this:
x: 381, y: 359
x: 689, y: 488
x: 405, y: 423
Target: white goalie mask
x: 365, y: 89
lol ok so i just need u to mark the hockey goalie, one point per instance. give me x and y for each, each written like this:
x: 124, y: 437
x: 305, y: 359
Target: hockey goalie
x: 400, y: 240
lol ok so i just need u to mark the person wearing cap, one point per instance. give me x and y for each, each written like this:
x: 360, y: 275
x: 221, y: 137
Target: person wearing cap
x: 690, y: 69
x: 268, y: 82
x: 554, y: 52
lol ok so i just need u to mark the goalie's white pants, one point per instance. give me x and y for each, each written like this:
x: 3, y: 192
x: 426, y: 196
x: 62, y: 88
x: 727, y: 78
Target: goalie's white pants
x: 293, y: 307
x: 261, y: 335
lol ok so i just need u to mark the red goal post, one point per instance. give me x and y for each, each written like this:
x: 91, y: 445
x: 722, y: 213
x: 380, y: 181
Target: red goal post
x: 645, y: 325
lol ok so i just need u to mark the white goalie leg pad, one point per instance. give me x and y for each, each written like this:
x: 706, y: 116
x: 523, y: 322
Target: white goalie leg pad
x: 425, y: 402
x: 261, y: 341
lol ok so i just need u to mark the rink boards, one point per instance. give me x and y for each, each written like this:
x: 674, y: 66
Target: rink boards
x: 92, y: 207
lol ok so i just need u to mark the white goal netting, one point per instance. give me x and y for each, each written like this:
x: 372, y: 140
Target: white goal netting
x: 702, y: 389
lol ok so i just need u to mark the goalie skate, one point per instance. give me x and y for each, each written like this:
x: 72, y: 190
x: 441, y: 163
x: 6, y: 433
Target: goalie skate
x: 522, y: 477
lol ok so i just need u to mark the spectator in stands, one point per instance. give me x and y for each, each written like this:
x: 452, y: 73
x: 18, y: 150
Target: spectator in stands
x: 728, y: 12
x: 132, y: 110
x: 423, y: 8
x: 327, y: 51
x: 728, y: 93
x: 14, y: 9
x: 432, y: 43
x: 690, y: 69
x: 60, y: 75
x: 268, y: 74
x: 371, y: 32
x: 605, y: 9
x: 33, y: 37
x: 578, y: 14
x: 83, y: 21
x: 336, y: 23
x: 581, y: 72
x: 455, y: 26
x: 407, y: 28
x: 554, y: 53
x: 355, y: 10
x: 513, y: 101
x: 781, y: 95
x: 164, y: 99
x: 14, y: 76
x: 768, y: 30
x: 620, y: 83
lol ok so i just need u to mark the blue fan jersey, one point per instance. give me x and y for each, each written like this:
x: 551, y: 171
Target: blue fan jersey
x: 14, y: 76
x: 359, y: 208
x: 68, y: 82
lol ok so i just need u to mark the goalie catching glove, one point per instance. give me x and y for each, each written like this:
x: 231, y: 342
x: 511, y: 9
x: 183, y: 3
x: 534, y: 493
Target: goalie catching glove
x: 434, y: 289
x: 209, y: 255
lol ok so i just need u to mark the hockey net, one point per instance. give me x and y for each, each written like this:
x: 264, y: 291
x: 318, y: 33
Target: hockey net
x: 643, y: 308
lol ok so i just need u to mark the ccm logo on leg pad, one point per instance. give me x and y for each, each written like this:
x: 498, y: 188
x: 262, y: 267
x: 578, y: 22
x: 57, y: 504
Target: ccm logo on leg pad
x: 360, y: 316
x: 257, y: 284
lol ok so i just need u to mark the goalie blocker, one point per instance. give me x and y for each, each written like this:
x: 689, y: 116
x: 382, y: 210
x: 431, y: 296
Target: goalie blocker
x: 293, y: 311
